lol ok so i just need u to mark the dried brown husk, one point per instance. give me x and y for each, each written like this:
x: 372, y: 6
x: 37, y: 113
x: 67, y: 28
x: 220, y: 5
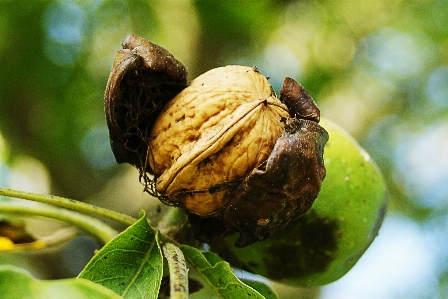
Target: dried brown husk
x: 282, y: 188
x: 143, y: 78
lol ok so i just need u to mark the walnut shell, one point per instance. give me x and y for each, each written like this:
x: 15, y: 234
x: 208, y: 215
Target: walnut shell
x: 217, y: 130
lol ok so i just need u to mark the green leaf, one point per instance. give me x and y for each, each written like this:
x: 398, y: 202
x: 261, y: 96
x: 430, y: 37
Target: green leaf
x: 131, y: 264
x: 262, y: 288
x: 218, y: 274
x: 16, y: 283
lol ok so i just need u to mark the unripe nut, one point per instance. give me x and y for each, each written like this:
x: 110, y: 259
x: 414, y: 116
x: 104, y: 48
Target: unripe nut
x: 224, y: 148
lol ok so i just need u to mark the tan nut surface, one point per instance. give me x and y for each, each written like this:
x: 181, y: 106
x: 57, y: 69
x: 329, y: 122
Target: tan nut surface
x: 219, y: 128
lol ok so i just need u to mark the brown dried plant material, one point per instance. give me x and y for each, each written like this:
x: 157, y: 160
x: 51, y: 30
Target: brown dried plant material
x: 225, y: 148
x: 298, y: 100
x: 143, y: 78
x: 282, y: 188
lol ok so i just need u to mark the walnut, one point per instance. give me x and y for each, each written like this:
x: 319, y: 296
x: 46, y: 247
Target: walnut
x: 223, y: 147
x: 217, y: 130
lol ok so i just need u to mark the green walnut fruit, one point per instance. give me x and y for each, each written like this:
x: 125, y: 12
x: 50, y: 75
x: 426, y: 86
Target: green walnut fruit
x: 327, y: 241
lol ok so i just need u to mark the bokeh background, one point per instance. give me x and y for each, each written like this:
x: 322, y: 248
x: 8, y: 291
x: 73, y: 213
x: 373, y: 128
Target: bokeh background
x: 377, y: 68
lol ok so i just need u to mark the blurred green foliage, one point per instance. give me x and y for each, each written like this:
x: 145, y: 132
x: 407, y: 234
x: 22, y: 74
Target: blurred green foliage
x: 378, y: 68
